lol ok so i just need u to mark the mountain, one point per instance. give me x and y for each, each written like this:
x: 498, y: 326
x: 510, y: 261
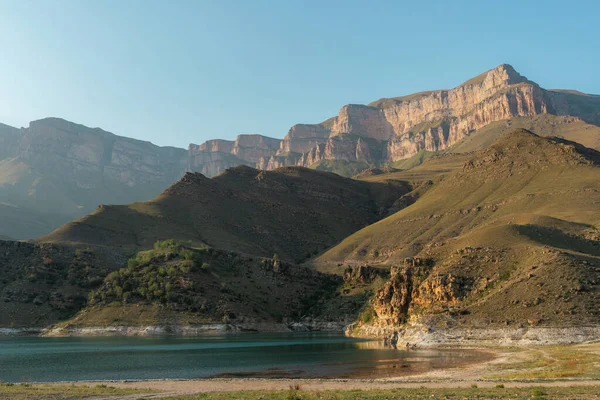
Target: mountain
x: 499, y: 243
x: 393, y: 129
x: 55, y: 171
x: 510, y: 238
x: 59, y: 171
x: 294, y: 212
x: 242, y: 215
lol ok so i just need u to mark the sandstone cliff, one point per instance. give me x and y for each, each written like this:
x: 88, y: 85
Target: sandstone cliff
x: 400, y: 127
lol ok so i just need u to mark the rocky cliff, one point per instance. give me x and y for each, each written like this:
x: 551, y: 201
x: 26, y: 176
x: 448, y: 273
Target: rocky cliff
x: 400, y: 127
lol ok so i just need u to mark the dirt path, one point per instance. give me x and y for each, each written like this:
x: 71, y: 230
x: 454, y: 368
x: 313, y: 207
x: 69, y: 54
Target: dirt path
x: 190, y: 387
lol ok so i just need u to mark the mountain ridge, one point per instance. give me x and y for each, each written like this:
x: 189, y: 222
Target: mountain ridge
x: 55, y: 171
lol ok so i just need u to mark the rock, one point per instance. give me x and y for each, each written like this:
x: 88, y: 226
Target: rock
x: 361, y: 274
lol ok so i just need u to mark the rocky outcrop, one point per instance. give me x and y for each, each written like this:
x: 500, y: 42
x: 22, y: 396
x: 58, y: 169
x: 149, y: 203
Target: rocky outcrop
x: 362, y: 274
x: 412, y: 289
x: 215, y: 156
x: 364, y: 121
x: 302, y: 138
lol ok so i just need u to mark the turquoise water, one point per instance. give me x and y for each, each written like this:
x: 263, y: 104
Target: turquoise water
x: 278, y: 355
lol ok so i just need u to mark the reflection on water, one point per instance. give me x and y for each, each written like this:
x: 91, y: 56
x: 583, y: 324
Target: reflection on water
x: 231, y: 355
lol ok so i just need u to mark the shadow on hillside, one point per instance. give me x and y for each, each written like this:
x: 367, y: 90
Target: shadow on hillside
x: 560, y: 239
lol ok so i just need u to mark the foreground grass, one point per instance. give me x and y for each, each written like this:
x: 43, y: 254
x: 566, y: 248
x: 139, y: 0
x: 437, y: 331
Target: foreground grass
x: 398, y: 394
x: 551, y: 362
x: 55, y: 392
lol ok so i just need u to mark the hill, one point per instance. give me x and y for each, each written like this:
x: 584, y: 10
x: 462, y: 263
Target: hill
x: 41, y: 284
x: 174, y: 285
x: 511, y: 238
x: 294, y: 212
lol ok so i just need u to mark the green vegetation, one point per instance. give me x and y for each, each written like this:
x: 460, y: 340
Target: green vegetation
x: 340, y: 167
x: 9, y: 391
x: 579, y: 392
x: 551, y: 362
x: 176, y: 284
x: 156, y: 275
x: 413, y: 161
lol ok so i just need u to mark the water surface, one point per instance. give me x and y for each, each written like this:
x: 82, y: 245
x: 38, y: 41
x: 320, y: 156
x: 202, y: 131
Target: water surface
x: 275, y: 355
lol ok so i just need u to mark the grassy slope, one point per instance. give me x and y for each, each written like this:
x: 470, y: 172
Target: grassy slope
x: 340, y: 167
x: 528, y: 206
x: 568, y: 128
x: 64, y: 392
x: 295, y: 212
x: 406, y: 393
x: 546, y: 188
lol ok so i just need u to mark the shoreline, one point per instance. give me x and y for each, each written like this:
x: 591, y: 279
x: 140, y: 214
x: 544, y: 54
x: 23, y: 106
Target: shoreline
x: 419, y: 335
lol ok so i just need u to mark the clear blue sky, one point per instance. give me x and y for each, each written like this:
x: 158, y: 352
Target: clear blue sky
x: 175, y: 71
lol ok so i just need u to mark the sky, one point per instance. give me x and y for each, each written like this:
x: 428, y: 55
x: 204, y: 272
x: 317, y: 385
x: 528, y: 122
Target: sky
x: 175, y: 72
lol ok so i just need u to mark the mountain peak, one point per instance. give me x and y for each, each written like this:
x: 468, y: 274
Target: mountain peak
x: 503, y: 74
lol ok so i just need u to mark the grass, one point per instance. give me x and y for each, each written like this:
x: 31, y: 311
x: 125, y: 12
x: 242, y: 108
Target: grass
x: 544, y: 125
x: 25, y: 391
x: 340, y: 167
x: 552, y: 362
x: 406, y: 393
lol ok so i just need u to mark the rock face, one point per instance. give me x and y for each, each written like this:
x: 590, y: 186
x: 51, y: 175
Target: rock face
x: 393, y: 129
x: 215, y: 156
x: 412, y: 287
x: 91, y: 157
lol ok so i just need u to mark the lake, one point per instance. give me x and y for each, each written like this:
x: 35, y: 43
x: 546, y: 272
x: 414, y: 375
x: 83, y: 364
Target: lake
x: 269, y: 355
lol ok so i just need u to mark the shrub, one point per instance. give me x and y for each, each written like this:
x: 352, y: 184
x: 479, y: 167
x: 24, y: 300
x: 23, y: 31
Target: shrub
x: 538, y: 393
